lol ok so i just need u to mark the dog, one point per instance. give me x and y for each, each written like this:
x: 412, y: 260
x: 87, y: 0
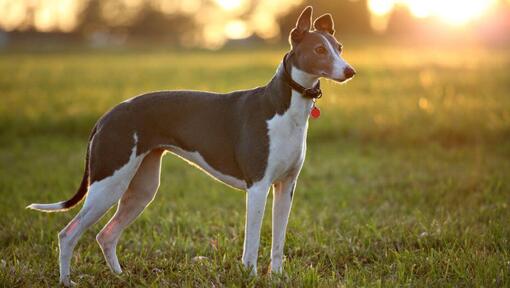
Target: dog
x: 250, y: 140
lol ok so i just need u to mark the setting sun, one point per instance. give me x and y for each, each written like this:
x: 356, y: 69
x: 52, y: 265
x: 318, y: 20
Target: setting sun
x: 460, y: 12
x: 454, y: 12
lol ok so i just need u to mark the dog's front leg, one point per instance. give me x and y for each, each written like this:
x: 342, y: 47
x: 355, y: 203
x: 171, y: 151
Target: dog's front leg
x: 255, y: 203
x: 282, y: 201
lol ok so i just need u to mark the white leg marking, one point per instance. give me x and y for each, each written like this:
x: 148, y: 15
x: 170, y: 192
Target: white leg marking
x: 282, y: 201
x: 101, y: 196
x: 88, y: 215
x: 140, y: 193
x: 255, y: 203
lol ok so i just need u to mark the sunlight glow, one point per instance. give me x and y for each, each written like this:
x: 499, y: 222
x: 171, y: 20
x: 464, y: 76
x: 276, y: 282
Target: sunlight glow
x: 47, y: 15
x: 230, y: 4
x: 381, y: 7
x: 420, y: 9
x: 13, y: 15
x: 453, y: 12
x: 459, y: 12
x: 236, y: 29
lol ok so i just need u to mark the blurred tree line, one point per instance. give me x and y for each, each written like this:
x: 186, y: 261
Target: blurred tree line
x: 188, y: 22
x: 351, y: 17
x: 149, y: 22
x: 114, y: 21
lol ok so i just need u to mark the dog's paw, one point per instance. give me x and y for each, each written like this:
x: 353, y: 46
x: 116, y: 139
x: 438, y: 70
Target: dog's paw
x: 275, y: 271
x: 67, y: 282
x: 250, y: 270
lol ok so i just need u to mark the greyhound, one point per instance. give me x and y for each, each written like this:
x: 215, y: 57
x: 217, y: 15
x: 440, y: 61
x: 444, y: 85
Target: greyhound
x: 250, y: 140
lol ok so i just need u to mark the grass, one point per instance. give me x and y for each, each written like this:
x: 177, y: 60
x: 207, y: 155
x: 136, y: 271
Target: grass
x: 406, y: 181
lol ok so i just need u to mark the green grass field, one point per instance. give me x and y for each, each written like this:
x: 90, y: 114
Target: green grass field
x: 406, y: 181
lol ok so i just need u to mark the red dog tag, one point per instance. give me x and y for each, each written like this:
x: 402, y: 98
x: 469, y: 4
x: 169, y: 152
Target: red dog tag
x: 316, y: 112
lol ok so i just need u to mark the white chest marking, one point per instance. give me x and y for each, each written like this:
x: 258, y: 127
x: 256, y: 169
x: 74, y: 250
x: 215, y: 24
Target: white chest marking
x: 287, y: 134
x: 287, y: 139
x: 195, y: 159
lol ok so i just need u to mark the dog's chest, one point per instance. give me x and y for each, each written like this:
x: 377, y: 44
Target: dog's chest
x: 287, y: 141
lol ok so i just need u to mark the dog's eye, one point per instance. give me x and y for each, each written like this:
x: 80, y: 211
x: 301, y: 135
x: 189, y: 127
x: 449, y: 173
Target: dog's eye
x: 320, y: 50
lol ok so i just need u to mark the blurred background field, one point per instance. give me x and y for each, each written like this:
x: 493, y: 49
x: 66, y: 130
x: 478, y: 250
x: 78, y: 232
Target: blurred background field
x: 403, y: 94
x: 406, y: 181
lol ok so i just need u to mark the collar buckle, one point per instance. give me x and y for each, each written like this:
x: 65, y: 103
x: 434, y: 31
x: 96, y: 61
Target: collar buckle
x: 314, y: 92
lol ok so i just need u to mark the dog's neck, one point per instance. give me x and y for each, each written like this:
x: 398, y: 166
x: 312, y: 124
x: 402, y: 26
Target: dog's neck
x: 301, y: 77
x: 298, y: 106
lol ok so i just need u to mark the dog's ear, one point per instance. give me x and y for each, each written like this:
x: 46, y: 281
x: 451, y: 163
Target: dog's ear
x: 303, y: 25
x: 325, y: 23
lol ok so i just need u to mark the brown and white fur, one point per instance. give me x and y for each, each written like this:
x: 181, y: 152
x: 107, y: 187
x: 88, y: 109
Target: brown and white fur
x: 251, y: 140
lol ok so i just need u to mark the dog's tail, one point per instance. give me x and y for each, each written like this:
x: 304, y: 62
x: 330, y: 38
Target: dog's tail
x: 80, y: 194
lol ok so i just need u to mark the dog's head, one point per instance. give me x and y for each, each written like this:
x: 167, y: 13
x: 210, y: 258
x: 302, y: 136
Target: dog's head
x: 316, y: 51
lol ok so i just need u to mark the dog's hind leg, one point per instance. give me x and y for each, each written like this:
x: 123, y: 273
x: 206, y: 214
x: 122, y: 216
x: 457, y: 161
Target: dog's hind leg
x: 102, y: 195
x: 140, y: 193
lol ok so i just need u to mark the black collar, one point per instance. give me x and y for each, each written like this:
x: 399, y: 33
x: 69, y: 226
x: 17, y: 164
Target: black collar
x: 313, y: 93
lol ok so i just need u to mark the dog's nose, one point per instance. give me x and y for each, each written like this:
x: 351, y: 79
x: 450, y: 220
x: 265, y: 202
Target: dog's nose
x: 349, y: 72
